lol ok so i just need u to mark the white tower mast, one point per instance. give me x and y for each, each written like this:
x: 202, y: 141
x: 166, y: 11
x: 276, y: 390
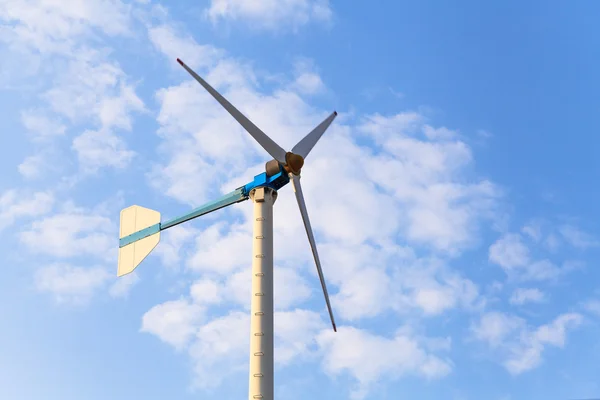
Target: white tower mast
x: 261, y: 310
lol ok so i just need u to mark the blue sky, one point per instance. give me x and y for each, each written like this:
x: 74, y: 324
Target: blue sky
x: 453, y: 199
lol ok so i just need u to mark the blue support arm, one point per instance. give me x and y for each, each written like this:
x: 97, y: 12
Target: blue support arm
x: 276, y: 182
x: 236, y: 196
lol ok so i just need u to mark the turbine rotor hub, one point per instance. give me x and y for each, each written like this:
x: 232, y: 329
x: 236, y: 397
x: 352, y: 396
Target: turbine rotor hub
x: 293, y: 163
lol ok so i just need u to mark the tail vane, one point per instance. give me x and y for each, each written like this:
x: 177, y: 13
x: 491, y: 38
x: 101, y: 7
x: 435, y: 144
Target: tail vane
x: 134, y: 219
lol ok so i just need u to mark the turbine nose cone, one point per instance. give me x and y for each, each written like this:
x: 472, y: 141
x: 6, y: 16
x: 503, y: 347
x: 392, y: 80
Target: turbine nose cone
x: 294, y: 162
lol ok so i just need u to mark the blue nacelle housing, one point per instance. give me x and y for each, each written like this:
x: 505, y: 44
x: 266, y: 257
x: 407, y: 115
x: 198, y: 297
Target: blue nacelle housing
x: 276, y: 181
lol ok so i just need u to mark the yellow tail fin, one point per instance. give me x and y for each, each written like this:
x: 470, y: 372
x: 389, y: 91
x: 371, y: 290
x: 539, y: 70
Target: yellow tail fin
x: 133, y: 219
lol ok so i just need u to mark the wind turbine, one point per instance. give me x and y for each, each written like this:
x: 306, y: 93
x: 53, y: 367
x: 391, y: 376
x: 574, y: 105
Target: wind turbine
x: 140, y: 232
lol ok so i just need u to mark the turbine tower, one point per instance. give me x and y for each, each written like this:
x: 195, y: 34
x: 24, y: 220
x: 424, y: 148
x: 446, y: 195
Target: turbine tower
x: 140, y: 232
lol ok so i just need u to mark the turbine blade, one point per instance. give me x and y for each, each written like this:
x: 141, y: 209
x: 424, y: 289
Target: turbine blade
x: 304, y: 146
x: 266, y: 142
x: 313, y: 246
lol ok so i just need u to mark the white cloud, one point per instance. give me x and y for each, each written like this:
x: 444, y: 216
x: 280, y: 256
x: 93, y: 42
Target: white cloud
x: 435, y: 289
x: 96, y: 90
x: 271, y: 14
x: 533, y: 230
x: 361, y: 294
x: 87, y: 87
x: 123, y: 285
x: 72, y: 233
x: 369, y: 358
x: 295, y: 335
x: 541, y: 232
x: 425, y: 177
x: 542, y: 270
x: 441, y: 297
x: 32, y: 167
x: 213, y: 246
x: 174, y: 322
x: 520, y: 346
x: 175, y: 45
x: 366, y: 274
x: 382, y: 128
x: 577, y: 238
x: 527, y: 295
x: 509, y: 252
x: 40, y: 126
x: 173, y: 244
x: 78, y: 83
x: 442, y: 133
x: 96, y: 149
x: 220, y: 349
x: 307, y: 80
x: 70, y: 284
x: 52, y: 26
x: 115, y: 111
x: 16, y: 204
x: 513, y: 255
x: 308, y: 83
x: 593, y: 306
x: 495, y: 327
x: 529, y: 355
x: 290, y: 288
x: 206, y: 291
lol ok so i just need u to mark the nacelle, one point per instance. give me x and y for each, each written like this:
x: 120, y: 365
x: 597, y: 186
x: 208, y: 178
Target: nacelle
x: 272, y: 167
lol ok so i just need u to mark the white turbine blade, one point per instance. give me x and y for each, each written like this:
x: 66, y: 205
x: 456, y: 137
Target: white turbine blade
x: 266, y: 142
x: 303, y: 147
x: 313, y: 246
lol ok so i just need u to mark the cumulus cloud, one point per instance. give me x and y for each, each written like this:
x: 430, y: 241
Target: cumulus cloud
x: 578, y: 238
x: 70, y: 284
x: 97, y: 149
x: 306, y: 79
x: 509, y: 252
x: 212, y: 249
x: 173, y: 245
x: 518, y: 345
x: 513, y: 253
x: 32, y: 167
x: 290, y: 289
x: 220, y: 349
x: 174, y: 45
x: 41, y: 126
x: 425, y: 176
x: 365, y: 275
x: 495, y: 327
x: 80, y: 86
x: 593, y: 306
x: 174, y: 322
x: 368, y: 358
x: 527, y: 295
x: 123, y: 285
x: 270, y: 14
x: 70, y: 234
x: 15, y: 204
x: 53, y: 27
